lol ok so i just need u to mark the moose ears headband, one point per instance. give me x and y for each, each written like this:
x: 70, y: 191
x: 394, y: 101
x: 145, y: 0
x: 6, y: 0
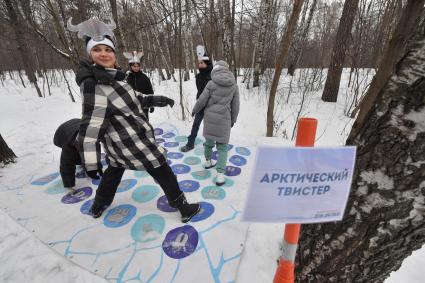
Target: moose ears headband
x: 200, y: 51
x: 133, y: 57
x: 95, y: 29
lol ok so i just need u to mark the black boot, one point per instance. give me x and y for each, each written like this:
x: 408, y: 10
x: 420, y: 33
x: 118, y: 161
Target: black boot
x: 97, y: 209
x: 187, y: 210
x: 187, y: 148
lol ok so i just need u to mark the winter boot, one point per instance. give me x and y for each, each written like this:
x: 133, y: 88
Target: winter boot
x: 187, y: 210
x: 187, y: 148
x: 97, y: 209
x: 219, y: 180
x: 208, y: 164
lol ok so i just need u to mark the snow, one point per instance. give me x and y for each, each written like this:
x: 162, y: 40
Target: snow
x: 27, y: 124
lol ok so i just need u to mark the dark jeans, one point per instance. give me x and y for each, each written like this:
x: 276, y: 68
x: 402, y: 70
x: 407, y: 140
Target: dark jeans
x: 112, y: 177
x: 195, y: 128
x: 69, y: 159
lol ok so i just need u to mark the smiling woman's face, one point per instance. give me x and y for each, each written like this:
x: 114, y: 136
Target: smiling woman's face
x: 103, y: 55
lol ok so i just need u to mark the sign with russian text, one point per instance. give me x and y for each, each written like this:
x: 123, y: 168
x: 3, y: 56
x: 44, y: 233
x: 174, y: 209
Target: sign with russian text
x: 299, y: 184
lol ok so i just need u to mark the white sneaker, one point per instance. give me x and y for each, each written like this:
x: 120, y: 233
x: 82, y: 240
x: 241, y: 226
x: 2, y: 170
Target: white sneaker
x: 219, y: 180
x: 208, y: 164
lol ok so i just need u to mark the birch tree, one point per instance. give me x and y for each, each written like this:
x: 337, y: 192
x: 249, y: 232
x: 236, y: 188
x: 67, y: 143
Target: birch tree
x: 384, y: 219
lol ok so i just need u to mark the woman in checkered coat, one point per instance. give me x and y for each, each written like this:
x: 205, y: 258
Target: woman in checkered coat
x: 112, y: 114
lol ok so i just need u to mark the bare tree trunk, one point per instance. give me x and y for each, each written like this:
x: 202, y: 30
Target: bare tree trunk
x: 284, y: 46
x: 404, y: 29
x: 19, y: 30
x: 384, y: 220
x: 69, y: 87
x: 263, y: 16
x: 342, y: 40
x: 298, y: 48
x: 6, y: 154
x: 120, y: 41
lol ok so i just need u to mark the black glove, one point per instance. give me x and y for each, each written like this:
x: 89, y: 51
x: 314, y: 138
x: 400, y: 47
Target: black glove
x: 151, y: 109
x: 93, y: 173
x: 170, y: 102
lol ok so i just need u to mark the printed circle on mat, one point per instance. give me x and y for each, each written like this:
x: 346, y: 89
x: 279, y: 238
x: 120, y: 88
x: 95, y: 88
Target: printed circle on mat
x: 180, y: 139
x: 237, y: 160
x: 180, y: 242
x: 229, y: 146
x: 228, y: 182
x: 77, y: 195
x: 192, y: 160
x: 180, y: 168
x: 85, y: 207
x: 168, y: 135
x: 198, y: 141
x: 214, y: 155
x: 232, y: 171
x: 148, y: 228
x: 141, y: 174
x: 175, y: 155
x: 213, y: 192
x: 104, y: 162
x: 171, y: 144
x: 169, y: 162
x: 96, y: 181
x: 145, y: 193
x: 159, y: 140
x: 158, y: 131
x: 243, y: 151
x: 45, y: 179
x: 119, y: 216
x: 162, y: 204
x: 199, y: 151
x: 201, y: 175
x: 188, y: 186
x: 126, y: 184
x: 56, y: 188
x: 207, y: 209
x: 80, y: 174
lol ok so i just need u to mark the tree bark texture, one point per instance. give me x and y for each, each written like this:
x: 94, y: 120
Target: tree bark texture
x: 384, y: 219
x: 342, y: 41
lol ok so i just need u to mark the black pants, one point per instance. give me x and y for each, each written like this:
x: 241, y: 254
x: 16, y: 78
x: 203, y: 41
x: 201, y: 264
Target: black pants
x: 69, y: 159
x: 195, y: 128
x: 112, y: 177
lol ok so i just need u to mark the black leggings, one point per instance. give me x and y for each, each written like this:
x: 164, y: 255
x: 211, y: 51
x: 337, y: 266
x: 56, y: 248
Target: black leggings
x: 112, y: 177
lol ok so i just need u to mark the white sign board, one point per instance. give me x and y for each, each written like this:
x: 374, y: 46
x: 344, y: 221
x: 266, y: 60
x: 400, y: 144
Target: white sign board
x: 299, y: 184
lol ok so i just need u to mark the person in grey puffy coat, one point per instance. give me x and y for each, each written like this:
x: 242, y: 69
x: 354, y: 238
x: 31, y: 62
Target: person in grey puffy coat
x: 221, y: 101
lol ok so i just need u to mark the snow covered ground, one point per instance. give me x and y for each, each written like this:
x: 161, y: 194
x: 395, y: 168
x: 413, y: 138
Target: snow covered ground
x: 27, y: 123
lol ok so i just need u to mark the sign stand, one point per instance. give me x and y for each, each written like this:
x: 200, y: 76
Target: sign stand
x: 306, y: 134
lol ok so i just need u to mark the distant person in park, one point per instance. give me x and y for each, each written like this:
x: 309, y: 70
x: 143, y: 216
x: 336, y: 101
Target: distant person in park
x: 220, y: 103
x: 204, y: 76
x: 65, y: 138
x: 137, y: 79
x: 112, y: 114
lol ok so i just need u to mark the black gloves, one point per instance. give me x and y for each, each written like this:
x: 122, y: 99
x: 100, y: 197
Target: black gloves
x: 151, y: 110
x: 93, y: 173
x: 170, y: 102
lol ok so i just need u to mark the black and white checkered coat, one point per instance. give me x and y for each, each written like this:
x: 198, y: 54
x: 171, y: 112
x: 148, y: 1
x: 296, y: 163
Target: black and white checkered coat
x: 112, y: 114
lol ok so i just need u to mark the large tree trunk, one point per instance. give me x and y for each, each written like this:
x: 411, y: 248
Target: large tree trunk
x: 342, y: 40
x: 384, y: 219
x: 284, y: 47
x: 6, y: 154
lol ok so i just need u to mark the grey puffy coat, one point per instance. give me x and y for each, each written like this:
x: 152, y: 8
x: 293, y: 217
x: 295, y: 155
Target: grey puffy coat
x: 221, y: 101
